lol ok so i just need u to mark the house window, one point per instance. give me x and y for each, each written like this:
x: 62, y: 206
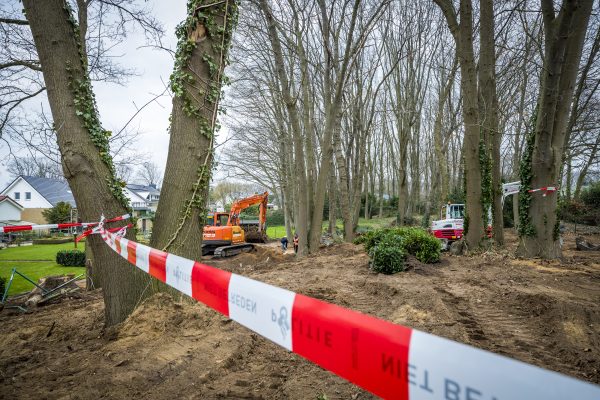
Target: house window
x: 17, y: 196
x: 27, y: 196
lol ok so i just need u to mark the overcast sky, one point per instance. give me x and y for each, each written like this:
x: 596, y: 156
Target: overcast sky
x: 116, y: 103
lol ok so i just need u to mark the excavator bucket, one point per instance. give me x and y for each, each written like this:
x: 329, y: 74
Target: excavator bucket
x: 252, y: 233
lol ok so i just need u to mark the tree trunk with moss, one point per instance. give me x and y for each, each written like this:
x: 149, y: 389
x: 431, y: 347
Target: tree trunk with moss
x: 203, y: 42
x: 564, y: 34
x: 84, y: 148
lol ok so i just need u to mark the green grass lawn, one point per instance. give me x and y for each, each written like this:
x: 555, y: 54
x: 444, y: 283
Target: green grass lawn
x: 276, y: 232
x: 37, y: 251
x: 34, y: 271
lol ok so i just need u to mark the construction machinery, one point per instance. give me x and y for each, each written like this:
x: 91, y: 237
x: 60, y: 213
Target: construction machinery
x: 450, y: 226
x: 226, y: 234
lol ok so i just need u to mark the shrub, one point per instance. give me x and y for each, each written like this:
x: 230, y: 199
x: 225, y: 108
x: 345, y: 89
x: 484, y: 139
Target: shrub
x: 58, y: 214
x: 422, y: 245
x: 373, y: 238
x: 387, y: 256
x: 391, y: 244
x: 591, y: 195
x: 2, y: 286
x: 71, y: 258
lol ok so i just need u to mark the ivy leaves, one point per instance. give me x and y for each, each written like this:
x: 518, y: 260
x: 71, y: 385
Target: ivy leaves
x: 181, y: 79
x: 86, y: 109
x: 526, y: 227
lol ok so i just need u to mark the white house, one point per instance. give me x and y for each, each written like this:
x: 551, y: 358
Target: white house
x: 10, y: 210
x: 37, y: 194
x: 142, y: 197
x: 143, y: 200
x: 34, y: 195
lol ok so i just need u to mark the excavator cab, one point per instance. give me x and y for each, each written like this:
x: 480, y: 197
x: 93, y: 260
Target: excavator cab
x: 216, y: 219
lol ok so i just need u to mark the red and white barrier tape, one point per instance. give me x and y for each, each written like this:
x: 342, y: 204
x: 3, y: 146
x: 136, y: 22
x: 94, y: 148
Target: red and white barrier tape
x: 389, y: 360
x: 546, y: 190
x: 19, y: 228
x: 92, y: 231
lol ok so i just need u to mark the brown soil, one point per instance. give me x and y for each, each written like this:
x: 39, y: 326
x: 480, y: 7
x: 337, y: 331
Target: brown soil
x: 544, y: 313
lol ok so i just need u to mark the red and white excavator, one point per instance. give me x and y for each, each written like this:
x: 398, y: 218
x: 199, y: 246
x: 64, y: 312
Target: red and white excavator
x: 451, y: 225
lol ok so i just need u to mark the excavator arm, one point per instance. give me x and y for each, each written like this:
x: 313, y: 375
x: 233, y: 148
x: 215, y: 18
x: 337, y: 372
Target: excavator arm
x: 241, y: 205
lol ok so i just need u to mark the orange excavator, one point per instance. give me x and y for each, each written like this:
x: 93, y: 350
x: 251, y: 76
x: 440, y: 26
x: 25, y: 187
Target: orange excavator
x: 226, y: 235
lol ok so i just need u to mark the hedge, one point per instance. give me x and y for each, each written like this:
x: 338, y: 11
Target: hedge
x: 71, y: 258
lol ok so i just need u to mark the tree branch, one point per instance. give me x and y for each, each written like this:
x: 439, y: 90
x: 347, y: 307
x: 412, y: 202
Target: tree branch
x: 19, y: 63
x: 13, y: 21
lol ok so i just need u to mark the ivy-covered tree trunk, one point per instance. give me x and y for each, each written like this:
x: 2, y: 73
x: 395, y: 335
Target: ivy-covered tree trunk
x: 203, y: 40
x: 564, y: 35
x: 488, y: 108
x: 83, y: 145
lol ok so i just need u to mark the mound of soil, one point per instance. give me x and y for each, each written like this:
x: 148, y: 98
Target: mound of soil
x: 544, y: 313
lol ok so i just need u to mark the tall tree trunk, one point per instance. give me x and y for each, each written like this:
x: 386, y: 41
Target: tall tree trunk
x: 196, y: 83
x: 488, y: 109
x: 84, y: 148
x: 331, y: 193
x: 564, y: 35
x: 369, y: 183
x: 463, y: 36
x: 438, y: 138
x: 360, y: 181
x: 384, y: 133
x: 333, y: 98
x: 344, y: 193
x: 568, y: 177
x: 290, y: 103
x: 517, y: 148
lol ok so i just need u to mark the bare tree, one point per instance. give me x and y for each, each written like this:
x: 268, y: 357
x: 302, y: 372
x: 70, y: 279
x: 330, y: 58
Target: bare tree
x: 31, y: 166
x: 24, y: 126
x: 149, y: 174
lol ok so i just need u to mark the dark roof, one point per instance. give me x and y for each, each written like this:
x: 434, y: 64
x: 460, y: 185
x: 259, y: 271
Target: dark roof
x: 53, y: 190
x: 143, y: 188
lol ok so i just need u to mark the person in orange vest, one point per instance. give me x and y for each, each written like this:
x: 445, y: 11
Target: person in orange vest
x: 296, y: 239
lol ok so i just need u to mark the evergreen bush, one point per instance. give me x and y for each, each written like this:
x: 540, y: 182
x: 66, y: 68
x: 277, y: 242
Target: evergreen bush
x: 425, y: 247
x: 387, y: 256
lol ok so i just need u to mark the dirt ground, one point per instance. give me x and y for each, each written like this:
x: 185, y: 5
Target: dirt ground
x: 544, y: 313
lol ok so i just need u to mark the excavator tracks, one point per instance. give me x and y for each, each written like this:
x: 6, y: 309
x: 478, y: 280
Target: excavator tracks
x: 232, y: 250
